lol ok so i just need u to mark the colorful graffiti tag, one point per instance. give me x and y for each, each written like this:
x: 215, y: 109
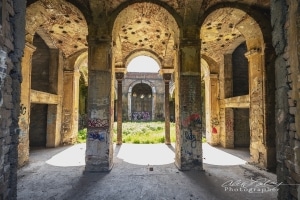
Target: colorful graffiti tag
x: 97, y: 135
x: 143, y: 116
x: 98, y: 123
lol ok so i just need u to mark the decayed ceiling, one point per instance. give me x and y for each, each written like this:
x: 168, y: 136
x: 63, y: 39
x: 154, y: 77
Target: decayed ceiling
x: 224, y: 30
x: 140, y: 26
x: 146, y: 27
x: 58, y: 22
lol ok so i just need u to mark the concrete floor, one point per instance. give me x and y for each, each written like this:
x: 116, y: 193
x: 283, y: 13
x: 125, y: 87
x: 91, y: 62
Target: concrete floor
x: 58, y: 174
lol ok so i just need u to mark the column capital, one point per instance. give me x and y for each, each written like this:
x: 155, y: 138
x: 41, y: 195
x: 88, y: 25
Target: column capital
x: 119, y: 76
x: 120, y: 69
x: 167, y: 77
x: 166, y: 71
x: 30, y: 47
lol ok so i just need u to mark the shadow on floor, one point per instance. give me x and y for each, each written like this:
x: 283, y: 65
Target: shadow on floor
x: 139, y: 172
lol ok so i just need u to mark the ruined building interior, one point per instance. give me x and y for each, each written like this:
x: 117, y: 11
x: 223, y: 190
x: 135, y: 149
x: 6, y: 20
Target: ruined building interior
x: 244, y: 51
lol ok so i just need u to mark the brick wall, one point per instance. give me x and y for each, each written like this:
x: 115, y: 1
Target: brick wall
x: 284, y: 21
x: 13, y: 21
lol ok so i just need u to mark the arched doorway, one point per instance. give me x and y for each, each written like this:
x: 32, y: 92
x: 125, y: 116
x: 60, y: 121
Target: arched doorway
x: 141, y: 98
x: 141, y: 103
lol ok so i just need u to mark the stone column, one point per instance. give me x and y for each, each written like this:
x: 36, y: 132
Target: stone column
x: 258, y: 148
x: 54, y: 115
x: 24, y: 119
x: 188, y: 120
x: 167, y: 78
x: 70, y: 107
x: 99, y: 145
x: 226, y: 134
x: 119, y: 77
x: 212, y: 109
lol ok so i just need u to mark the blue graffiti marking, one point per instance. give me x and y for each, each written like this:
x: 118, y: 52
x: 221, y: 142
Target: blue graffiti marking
x: 97, y: 136
x: 189, y: 136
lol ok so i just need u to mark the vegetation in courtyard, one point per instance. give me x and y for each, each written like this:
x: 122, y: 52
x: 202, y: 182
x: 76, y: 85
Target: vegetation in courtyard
x: 139, y: 133
x: 144, y: 132
x: 81, y: 136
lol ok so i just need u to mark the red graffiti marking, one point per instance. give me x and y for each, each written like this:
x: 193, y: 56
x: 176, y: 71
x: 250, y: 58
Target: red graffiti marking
x: 214, y: 130
x: 98, y: 123
x: 194, y: 118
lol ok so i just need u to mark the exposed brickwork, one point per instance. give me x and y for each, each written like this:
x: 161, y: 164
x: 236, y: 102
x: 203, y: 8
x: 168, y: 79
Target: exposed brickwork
x: 13, y: 21
x: 288, y: 155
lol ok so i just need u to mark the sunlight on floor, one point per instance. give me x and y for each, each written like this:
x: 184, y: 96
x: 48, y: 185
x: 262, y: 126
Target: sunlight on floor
x: 71, y: 157
x: 214, y: 156
x: 143, y: 154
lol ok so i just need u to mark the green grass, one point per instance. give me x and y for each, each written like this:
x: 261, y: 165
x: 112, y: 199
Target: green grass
x: 139, y: 133
x: 144, y: 132
x: 81, y: 136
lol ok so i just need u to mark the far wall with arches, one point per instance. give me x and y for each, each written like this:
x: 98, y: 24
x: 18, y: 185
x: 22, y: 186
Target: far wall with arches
x: 134, y: 106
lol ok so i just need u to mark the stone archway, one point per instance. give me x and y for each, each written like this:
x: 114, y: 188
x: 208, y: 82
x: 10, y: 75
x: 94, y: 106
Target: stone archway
x: 137, y: 27
x: 56, y: 31
x: 226, y: 27
x: 130, y: 98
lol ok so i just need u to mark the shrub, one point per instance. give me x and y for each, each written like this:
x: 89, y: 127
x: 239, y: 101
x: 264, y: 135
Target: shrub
x: 81, y: 137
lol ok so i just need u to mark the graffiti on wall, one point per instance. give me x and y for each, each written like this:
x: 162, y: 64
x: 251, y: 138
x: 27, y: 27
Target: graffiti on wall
x: 144, y: 116
x: 97, y: 123
x: 66, y: 121
x: 23, y: 109
x: 188, y: 134
x: 214, y: 122
x: 192, y: 120
x: 99, y: 118
x: 99, y: 135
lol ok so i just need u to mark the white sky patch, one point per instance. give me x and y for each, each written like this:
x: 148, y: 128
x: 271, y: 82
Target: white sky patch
x: 143, y: 64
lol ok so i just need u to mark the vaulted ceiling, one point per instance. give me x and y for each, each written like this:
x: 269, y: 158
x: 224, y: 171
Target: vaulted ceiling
x: 141, y: 26
x: 145, y: 27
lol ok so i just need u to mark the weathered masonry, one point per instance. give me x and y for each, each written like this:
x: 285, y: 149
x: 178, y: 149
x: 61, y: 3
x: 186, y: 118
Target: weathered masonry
x: 54, y: 53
